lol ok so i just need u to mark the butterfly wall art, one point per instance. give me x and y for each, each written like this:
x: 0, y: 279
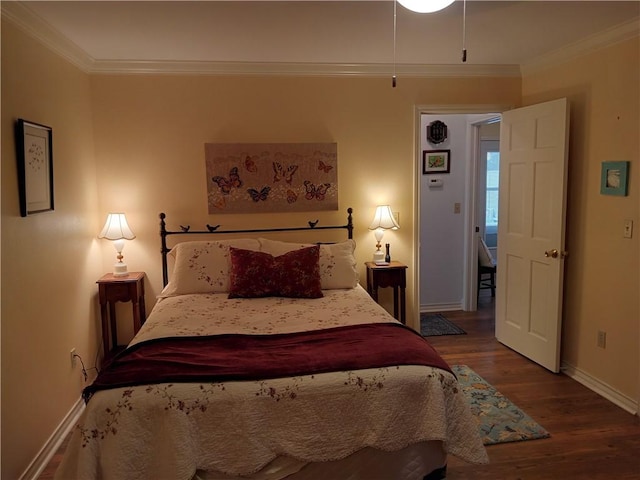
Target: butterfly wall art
x: 226, y: 184
x: 283, y: 173
x: 316, y: 192
x: 257, y: 195
x: 271, y: 177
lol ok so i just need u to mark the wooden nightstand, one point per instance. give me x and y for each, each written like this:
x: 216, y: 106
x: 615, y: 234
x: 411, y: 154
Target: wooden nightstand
x: 393, y: 275
x: 119, y: 289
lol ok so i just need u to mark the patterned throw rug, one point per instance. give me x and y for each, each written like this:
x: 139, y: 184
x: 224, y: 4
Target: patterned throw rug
x: 435, y: 324
x: 500, y: 420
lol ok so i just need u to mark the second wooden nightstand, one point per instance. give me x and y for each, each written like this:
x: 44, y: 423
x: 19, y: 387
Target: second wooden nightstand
x: 392, y: 275
x: 113, y: 289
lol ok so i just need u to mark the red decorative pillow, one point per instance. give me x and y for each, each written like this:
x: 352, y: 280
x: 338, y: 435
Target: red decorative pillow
x: 250, y: 274
x: 257, y: 274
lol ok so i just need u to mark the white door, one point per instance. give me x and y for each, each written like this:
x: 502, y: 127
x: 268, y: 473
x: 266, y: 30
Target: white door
x: 533, y: 179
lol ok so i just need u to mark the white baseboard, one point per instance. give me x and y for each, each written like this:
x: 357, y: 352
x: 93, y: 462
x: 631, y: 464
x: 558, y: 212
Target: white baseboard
x: 440, y: 307
x: 39, y: 463
x: 601, y: 388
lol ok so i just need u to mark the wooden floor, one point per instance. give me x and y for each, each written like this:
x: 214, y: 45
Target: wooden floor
x: 591, y: 438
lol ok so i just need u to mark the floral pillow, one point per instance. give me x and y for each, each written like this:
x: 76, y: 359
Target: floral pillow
x: 337, y: 261
x: 258, y: 274
x: 203, y: 267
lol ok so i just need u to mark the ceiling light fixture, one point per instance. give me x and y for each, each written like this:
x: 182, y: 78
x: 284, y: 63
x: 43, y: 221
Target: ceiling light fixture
x: 425, y: 6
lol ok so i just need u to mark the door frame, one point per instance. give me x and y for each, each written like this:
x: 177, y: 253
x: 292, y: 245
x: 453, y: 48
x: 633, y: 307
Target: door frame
x: 471, y: 267
x: 481, y: 193
x: 471, y: 254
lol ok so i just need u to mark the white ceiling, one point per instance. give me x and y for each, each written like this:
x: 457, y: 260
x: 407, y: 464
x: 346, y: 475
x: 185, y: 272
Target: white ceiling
x: 321, y: 35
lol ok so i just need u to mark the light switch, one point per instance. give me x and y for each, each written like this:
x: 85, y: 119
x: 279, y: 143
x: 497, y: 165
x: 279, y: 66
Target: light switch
x: 456, y: 207
x: 628, y: 228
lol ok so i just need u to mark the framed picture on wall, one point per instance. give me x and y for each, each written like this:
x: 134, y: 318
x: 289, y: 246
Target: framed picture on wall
x: 35, y: 167
x: 436, y: 161
x: 613, y: 178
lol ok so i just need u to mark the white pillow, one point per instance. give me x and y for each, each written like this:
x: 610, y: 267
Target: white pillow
x: 203, y: 267
x: 337, y: 262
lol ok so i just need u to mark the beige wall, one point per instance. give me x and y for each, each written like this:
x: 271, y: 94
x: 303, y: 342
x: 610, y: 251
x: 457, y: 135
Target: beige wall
x: 602, y: 270
x: 151, y: 131
x: 50, y: 261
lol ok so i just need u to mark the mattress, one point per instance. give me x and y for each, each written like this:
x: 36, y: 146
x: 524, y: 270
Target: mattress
x: 278, y: 427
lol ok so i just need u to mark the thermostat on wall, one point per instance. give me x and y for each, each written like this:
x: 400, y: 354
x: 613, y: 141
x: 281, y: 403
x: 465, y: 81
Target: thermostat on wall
x: 435, y: 182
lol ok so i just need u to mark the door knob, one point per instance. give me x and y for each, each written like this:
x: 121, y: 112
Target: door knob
x: 554, y: 253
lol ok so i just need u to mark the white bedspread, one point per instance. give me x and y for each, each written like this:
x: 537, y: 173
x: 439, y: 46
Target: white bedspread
x: 168, y: 431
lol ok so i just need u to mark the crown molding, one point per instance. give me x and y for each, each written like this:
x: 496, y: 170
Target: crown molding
x: 620, y: 33
x: 302, y: 69
x: 25, y: 19
x: 33, y: 25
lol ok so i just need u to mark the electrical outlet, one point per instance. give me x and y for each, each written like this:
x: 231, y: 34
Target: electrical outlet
x: 73, y: 357
x: 602, y: 339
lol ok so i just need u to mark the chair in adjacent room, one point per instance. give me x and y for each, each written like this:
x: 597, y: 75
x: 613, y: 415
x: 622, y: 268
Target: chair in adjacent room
x: 486, y: 269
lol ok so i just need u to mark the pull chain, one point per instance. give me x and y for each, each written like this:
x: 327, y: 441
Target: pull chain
x: 464, y: 31
x: 393, y: 79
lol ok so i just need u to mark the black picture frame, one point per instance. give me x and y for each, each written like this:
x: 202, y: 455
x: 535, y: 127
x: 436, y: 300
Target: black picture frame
x: 34, y: 149
x: 436, y: 161
x: 436, y: 132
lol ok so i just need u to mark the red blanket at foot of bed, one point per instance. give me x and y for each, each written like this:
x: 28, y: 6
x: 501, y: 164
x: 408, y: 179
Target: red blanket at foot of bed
x: 233, y: 357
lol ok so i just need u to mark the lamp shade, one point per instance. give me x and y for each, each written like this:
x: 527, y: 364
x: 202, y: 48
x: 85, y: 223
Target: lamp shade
x: 384, y: 219
x: 116, y: 228
x: 425, y: 6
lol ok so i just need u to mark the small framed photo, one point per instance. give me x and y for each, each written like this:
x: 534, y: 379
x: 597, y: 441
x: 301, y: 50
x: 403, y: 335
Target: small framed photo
x: 436, y: 161
x: 613, y: 178
x: 35, y: 167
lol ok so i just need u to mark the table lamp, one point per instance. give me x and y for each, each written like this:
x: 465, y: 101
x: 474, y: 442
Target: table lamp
x: 382, y: 220
x: 117, y: 229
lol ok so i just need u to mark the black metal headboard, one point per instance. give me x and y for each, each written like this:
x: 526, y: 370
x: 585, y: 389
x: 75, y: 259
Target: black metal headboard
x: 214, y: 230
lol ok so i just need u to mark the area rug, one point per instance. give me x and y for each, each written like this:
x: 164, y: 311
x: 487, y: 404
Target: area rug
x: 435, y: 324
x: 499, y: 419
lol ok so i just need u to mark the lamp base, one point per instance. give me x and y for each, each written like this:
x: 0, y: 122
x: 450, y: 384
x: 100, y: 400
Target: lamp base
x: 378, y: 256
x: 120, y: 270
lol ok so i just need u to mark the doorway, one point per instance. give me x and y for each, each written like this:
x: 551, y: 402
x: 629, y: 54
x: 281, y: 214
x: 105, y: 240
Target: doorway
x: 447, y: 208
x: 487, y: 198
x: 533, y: 183
x: 486, y: 205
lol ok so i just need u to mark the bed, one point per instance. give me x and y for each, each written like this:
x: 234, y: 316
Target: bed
x: 265, y: 359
